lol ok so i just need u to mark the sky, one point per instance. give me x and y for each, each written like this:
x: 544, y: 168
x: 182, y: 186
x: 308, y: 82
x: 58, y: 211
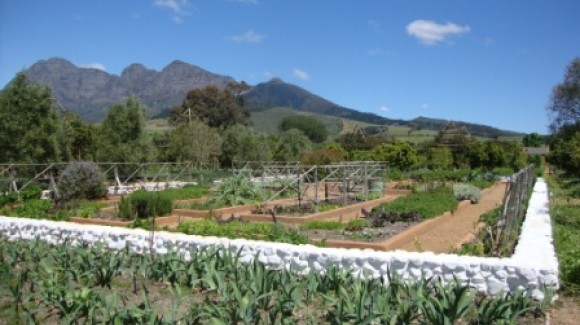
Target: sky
x: 489, y: 62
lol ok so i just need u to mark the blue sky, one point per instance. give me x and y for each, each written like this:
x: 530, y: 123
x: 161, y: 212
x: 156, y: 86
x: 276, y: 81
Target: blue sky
x: 490, y: 62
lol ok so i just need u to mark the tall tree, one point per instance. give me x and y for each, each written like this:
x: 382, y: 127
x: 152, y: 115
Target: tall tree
x: 291, y: 145
x: 212, y: 106
x: 398, y: 154
x: 244, y: 144
x: 534, y: 140
x: 77, y: 139
x: 28, y: 123
x: 123, y: 137
x: 564, y: 106
x: 195, y: 142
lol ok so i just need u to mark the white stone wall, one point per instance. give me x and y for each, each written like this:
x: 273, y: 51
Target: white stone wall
x: 533, y: 265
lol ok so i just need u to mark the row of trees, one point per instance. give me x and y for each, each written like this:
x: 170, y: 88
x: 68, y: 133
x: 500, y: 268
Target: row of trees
x: 564, y: 110
x: 211, y: 128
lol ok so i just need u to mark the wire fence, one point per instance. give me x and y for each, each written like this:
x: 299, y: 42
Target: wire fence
x: 514, y: 207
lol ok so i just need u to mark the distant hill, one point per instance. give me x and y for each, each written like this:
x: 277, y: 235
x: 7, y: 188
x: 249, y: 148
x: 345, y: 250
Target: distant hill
x: 90, y: 92
x: 276, y: 93
x: 479, y: 130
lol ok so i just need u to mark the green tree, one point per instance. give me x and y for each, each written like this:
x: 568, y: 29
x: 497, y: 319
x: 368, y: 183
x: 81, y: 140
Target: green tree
x: 122, y: 134
x: 439, y: 158
x: 77, y: 139
x: 311, y: 127
x: 534, y: 140
x: 195, y: 142
x: 212, y: 106
x: 28, y: 123
x: 399, y: 154
x: 564, y: 106
x: 477, y: 154
x: 242, y: 143
x: 565, y: 154
x: 291, y: 145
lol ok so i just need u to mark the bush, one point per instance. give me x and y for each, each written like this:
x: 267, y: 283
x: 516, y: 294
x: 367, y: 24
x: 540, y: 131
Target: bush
x: 464, y: 191
x: 145, y: 204
x: 82, y: 180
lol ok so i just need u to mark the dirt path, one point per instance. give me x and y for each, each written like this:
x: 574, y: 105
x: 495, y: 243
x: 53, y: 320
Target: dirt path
x: 442, y: 234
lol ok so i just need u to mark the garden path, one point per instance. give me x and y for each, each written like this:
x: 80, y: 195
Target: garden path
x: 444, y: 233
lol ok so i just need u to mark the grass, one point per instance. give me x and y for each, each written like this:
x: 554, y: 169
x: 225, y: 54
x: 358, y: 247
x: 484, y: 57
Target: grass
x: 427, y: 204
x: 186, y: 192
x: 334, y: 225
x: 566, y: 228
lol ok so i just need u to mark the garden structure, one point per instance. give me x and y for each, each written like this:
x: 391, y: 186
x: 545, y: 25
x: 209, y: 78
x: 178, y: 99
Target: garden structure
x: 121, y: 177
x: 309, y: 182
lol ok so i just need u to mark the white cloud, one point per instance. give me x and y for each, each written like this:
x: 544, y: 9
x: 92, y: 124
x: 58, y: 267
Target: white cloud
x: 384, y: 108
x: 430, y: 32
x: 96, y: 65
x: 424, y: 105
x: 268, y: 74
x: 248, y: 37
x: 301, y: 74
x: 175, y: 5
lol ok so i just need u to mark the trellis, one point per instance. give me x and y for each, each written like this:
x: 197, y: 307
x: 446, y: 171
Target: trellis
x: 307, y: 180
x: 18, y: 177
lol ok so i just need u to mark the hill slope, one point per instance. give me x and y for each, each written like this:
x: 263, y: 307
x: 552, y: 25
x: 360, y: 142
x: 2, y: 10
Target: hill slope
x: 89, y: 92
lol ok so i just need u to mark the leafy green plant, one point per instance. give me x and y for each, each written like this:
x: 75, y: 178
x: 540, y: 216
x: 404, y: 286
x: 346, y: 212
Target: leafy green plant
x: 237, y: 190
x: 464, y: 191
x: 148, y: 204
x: 427, y: 204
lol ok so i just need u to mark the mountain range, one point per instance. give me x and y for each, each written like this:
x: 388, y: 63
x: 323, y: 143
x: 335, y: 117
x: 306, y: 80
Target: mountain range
x: 89, y: 92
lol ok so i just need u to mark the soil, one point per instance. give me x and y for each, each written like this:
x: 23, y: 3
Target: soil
x: 566, y: 311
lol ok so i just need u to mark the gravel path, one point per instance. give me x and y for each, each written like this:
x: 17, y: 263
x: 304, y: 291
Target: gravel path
x: 442, y: 234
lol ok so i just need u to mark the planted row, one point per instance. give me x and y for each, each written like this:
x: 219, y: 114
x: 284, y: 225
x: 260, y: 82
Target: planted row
x: 42, y: 283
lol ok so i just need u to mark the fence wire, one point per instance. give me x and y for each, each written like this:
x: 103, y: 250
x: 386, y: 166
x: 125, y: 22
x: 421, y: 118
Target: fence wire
x: 513, y: 208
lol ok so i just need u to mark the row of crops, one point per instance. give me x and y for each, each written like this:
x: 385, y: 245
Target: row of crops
x: 41, y: 283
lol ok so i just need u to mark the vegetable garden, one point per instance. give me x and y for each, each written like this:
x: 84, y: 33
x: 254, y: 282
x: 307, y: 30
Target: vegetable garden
x: 43, y: 283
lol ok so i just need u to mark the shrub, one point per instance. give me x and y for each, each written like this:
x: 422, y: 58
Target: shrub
x: 146, y: 204
x: 82, y: 180
x: 464, y: 191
